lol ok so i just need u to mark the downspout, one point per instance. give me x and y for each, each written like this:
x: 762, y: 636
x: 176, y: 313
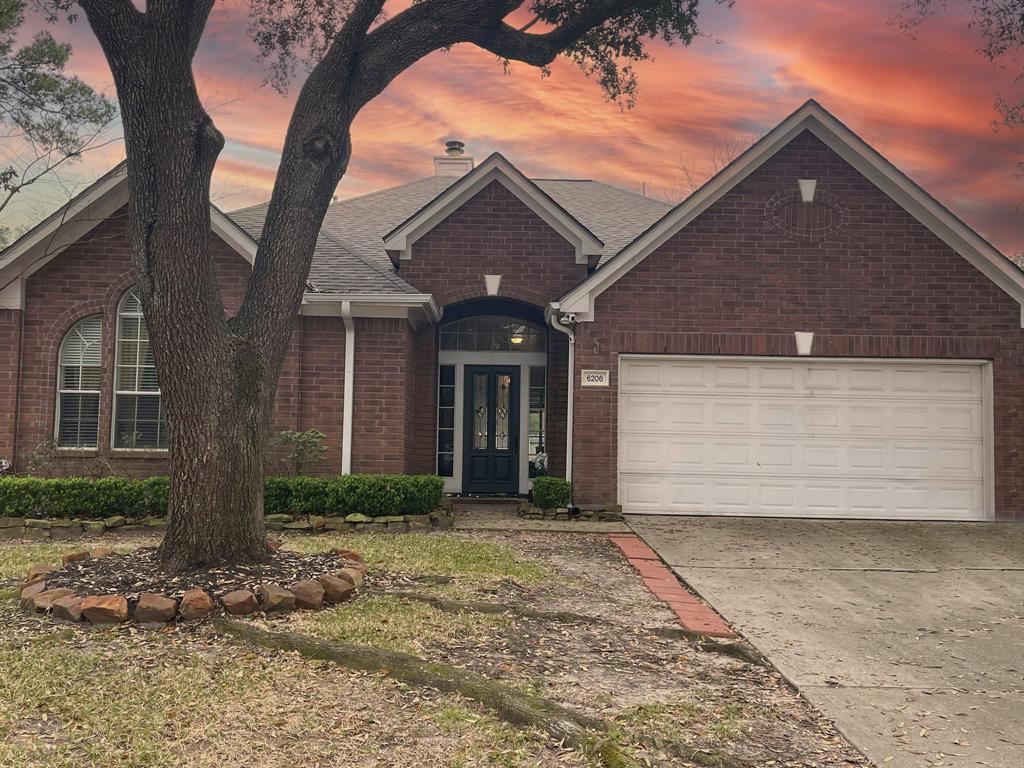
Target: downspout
x: 350, y: 380
x: 563, y: 324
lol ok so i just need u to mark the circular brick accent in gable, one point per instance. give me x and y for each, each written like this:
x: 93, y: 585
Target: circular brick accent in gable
x: 788, y: 214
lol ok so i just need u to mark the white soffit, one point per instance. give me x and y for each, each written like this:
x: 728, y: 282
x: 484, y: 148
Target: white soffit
x: 845, y: 143
x: 494, y: 168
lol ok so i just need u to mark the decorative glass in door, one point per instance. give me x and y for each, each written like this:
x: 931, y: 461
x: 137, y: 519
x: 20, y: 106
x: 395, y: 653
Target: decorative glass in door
x: 491, y: 431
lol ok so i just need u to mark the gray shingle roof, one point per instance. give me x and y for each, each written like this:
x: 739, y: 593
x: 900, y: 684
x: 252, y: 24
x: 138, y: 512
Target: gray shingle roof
x: 350, y: 255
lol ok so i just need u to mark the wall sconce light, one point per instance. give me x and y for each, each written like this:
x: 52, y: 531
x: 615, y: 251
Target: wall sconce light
x: 804, y: 342
x: 492, y: 283
x: 807, y: 187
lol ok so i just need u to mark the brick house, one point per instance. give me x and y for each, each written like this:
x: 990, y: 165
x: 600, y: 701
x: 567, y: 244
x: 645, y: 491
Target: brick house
x: 809, y: 334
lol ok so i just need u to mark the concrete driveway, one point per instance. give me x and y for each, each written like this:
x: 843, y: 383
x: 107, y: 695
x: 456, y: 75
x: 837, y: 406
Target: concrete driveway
x: 909, y: 635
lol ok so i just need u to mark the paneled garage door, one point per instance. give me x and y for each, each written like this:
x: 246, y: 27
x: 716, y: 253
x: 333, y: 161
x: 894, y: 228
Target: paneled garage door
x: 805, y: 438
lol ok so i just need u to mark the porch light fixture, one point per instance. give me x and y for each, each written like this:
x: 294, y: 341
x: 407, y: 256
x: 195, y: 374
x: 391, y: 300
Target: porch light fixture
x: 807, y: 187
x: 804, y: 342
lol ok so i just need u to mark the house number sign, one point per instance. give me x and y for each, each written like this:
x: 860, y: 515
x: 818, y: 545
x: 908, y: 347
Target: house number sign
x: 595, y: 378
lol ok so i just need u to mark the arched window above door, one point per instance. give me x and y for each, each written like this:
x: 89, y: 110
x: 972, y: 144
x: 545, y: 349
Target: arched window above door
x: 493, y: 333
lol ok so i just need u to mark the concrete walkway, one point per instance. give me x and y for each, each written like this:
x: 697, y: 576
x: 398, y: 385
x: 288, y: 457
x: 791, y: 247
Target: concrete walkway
x: 909, y: 635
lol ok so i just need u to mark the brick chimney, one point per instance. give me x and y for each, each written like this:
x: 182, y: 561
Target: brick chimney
x: 454, y: 161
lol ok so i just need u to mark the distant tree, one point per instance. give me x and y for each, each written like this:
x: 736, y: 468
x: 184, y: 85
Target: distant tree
x: 47, y: 118
x: 219, y: 375
x: 1000, y: 25
x: 693, y: 170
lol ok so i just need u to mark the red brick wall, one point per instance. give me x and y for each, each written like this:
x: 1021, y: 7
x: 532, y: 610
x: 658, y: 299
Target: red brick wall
x: 493, y: 234
x: 883, y: 286
x: 10, y: 346
x: 381, y: 428
x: 90, y: 278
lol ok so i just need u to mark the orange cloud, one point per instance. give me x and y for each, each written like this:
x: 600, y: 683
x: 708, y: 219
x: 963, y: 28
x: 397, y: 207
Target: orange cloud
x: 926, y: 103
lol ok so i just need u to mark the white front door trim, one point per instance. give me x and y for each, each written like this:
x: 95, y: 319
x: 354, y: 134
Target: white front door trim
x: 525, y: 361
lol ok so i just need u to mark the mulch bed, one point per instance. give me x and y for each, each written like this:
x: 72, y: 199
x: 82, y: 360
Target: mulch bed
x: 135, y: 572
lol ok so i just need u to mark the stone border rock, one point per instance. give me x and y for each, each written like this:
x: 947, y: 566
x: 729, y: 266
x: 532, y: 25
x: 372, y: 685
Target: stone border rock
x: 270, y: 599
x: 611, y: 513
x: 62, y: 530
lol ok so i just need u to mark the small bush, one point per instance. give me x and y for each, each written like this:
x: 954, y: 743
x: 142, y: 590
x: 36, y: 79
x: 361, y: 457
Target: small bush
x: 552, y: 492
x: 98, y: 498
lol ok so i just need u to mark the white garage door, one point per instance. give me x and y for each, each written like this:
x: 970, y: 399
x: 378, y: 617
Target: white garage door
x: 805, y: 438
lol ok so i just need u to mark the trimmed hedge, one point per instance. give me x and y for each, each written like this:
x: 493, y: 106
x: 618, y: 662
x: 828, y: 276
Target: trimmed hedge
x: 94, y: 499
x: 551, y: 492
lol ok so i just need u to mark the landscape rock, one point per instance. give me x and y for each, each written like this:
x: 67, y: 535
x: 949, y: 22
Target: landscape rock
x: 45, y: 599
x: 31, y: 591
x: 299, y: 525
x: 12, y: 533
x: 336, y: 589
x: 351, y: 575
x: 74, y: 557
x: 279, y: 519
x: 195, y: 604
x: 241, y: 602
x: 358, y: 517
x: 101, y: 552
x: 317, y: 522
x: 94, y: 527
x: 35, y: 534
x: 398, y: 527
x: 276, y: 599
x: 336, y: 524
x: 68, y: 608
x: 153, y: 608
x: 115, y: 522
x: 12, y: 522
x: 275, y: 544
x: 105, y: 609
x: 44, y: 524
x: 417, y: 522
x: 38, y: 571
x: 309, y: 594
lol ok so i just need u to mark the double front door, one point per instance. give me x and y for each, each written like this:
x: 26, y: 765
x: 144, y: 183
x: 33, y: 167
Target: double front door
x: 491, y: 429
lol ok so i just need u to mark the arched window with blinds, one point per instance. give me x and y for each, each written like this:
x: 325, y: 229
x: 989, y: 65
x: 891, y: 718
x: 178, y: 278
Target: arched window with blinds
x: 138, y: 412
x: 79, y: 378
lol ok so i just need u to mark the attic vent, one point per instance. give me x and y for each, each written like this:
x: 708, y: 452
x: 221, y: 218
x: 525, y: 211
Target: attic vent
x: 811, y: 222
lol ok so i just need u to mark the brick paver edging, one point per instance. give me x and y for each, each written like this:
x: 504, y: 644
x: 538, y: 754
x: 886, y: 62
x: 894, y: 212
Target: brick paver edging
x: 694, y: 615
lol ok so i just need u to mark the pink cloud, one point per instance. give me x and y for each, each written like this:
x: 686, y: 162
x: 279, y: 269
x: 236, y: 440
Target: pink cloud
x: 924, y: 103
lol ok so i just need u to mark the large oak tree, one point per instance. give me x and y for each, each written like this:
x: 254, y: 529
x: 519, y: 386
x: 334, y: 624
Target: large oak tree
x: 219, y: 374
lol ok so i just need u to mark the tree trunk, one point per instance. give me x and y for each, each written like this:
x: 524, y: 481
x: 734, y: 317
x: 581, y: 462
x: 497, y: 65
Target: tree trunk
x: 219, y: 423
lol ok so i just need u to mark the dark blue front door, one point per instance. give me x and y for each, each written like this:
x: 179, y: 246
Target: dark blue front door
x: 491, y: 429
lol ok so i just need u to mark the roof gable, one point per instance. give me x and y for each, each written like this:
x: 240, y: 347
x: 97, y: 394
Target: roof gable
x: 74, y: 220
x: 495, y: 168
x: 846, y: 144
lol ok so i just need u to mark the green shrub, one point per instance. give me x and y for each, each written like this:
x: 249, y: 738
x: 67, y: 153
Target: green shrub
x: 551, y: 492
x: 98, y: 498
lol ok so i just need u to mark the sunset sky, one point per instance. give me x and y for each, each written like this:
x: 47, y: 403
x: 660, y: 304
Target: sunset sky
x: 926, y: 104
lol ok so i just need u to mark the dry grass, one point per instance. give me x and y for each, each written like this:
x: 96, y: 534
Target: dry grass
x: 430, y: 554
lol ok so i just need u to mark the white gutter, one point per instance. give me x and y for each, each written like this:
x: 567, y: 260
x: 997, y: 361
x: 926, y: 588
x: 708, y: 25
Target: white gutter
x: 557, y: 324
x: 350, y: 379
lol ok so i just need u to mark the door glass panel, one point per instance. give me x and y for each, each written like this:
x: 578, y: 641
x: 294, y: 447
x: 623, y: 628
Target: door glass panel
x: 502, y: 413
x: 480, y: 402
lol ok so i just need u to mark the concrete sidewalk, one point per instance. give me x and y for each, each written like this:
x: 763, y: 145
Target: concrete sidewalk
x: 909, y: 635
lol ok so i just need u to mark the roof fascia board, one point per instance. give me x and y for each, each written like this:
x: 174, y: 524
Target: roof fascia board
x: 232, y: 234
x: 495, y: 168
x: 922, y: 206
x: 399, y: 305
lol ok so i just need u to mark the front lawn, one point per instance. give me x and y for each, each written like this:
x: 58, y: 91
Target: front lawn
x: 574, y: 625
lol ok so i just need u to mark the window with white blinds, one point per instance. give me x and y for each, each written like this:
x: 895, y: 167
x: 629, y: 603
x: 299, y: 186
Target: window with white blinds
x: 138, y: 412
x: 80, y: 374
